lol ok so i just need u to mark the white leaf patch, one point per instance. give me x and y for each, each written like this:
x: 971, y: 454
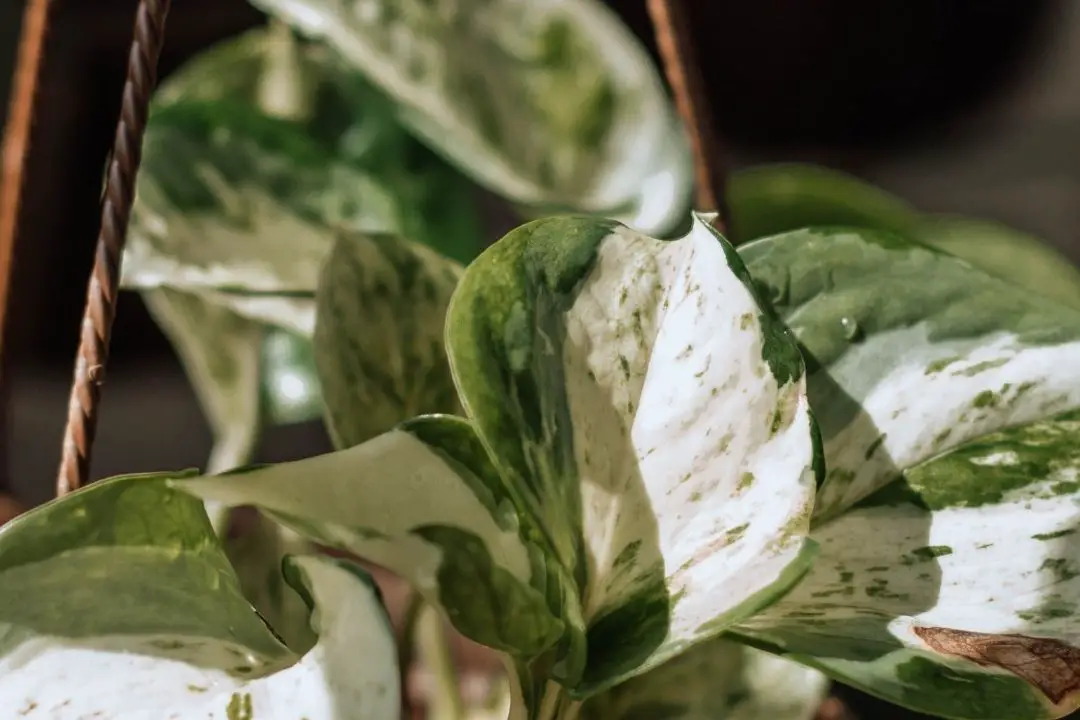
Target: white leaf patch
x: 153, y: 676
x: 693, y: 455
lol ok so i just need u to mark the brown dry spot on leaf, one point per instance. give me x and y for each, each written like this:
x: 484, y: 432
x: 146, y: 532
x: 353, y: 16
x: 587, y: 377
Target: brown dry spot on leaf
x: 1050, y: 665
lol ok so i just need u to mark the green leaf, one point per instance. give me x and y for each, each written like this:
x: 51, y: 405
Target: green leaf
x: 1006, y: 253
x: 381, y: 308
x: 911, y: 352
x: 548, y: 103
x: 422, y: 502
x: 772, y: 199
x: 125, y: 582
x: 945, y: 580
x: 649, y: 418
x: 717, y: 680
x: 955, y: 590
x: 586, y: 496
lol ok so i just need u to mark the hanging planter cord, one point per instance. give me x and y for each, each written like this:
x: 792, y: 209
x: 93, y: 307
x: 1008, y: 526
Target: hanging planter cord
x: 116, y: 205
x: 16, y: 144
x: 674, y: 40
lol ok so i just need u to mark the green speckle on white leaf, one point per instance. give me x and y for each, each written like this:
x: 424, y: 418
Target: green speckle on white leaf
x: 947, y: 352
x: 126, y: 582
x: 559, y: 522
x: 577, y: 346
x: 552, y: 104
x: 914, y: 599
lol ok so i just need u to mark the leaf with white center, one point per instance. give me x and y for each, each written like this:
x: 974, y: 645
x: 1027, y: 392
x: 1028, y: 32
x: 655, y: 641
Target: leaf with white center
x: 911, y: 351
x: 126, y: 583
x: 231, y: 198
x: 257, y: 151
x: 546, y: 102
x: 381, y: 309
x: 717, y: 680
x: 648, y: 415
x: 954, y: 590
x: 421, y: 501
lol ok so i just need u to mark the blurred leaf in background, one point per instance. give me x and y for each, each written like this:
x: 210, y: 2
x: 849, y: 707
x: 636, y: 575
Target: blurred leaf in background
x: 552, y: 104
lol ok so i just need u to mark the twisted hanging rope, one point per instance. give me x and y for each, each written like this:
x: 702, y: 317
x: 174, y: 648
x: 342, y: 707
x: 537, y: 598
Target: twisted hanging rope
x: 675, y: 43
x: 16, y: 144
x: 115, y: 211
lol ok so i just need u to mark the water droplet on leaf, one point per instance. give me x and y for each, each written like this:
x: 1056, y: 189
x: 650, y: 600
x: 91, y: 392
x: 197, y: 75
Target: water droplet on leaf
x: 852, y: 331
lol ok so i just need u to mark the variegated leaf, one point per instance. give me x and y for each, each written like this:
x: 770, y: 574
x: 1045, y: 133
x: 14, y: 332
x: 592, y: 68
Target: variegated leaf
x: 717, y: 680
x: 912, y: 352
x: 257, y: 151
x: 125, y: 583
x: 231, y: 198
x: 649, y: 416
x: 773, y: 199
x: 547, y: 102
x: 955, y: 590
x: 379, y: 336
x: 293, y: 312
x: 423, y: 502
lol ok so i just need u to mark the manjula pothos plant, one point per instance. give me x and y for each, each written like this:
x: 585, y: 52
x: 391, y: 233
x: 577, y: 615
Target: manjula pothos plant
x: 661, y: 478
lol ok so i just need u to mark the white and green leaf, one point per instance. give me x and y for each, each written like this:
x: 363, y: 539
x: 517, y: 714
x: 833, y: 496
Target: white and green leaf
x: 912, y: 352
x: 955, y: 590
x: 768, y: 200
x: 239, y: 193
x: 947, y: 400
x: 381, y: 309
x: 649, y: 419
x: 422, y: 502
x: 549, y: 103
x: 126, y: 582
x: 231, y: 198
x: 717, y: 680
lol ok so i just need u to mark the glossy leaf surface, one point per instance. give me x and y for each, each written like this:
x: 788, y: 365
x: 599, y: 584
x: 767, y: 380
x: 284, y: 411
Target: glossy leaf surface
x: 673, y: 502
x: 126, y: 582
x: 773, y: 199
x: 649, y: 417
x: 912, y: 351
x: 947, y: 401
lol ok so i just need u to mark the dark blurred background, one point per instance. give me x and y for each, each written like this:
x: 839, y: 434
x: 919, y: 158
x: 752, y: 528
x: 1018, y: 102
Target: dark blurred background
x: 969, y: 106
